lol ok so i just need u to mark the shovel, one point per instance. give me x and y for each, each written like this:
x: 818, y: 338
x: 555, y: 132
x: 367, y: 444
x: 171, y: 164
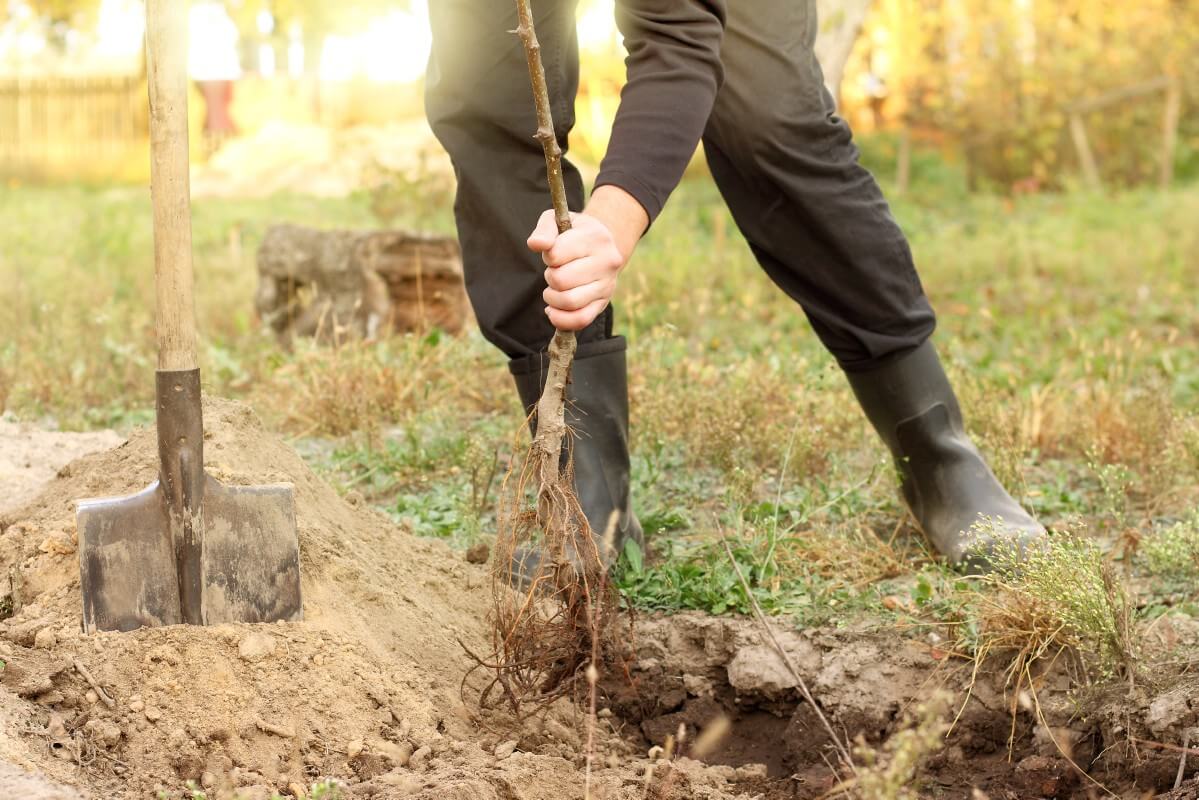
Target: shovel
x: 186, y: 549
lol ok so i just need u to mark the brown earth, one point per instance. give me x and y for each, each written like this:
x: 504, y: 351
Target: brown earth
x: 29, y: 457
x: 368, y: 689
x: 691, y: 669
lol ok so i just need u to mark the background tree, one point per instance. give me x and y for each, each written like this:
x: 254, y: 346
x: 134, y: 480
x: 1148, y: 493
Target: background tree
x: 841, y: 24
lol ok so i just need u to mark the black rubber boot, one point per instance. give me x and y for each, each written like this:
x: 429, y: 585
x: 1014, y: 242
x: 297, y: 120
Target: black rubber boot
x: 945, y: 480
x: 597, y: 414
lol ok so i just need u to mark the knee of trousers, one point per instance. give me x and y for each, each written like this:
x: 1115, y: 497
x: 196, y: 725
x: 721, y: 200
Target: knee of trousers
x: 458, y: 120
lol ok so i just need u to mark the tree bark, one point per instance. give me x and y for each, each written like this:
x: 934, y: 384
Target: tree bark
x: 840, y: 24
x: 334, y: 285
x: 551, y: 426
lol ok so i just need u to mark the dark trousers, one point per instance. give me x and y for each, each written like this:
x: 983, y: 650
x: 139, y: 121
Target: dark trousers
x: 783, y: 160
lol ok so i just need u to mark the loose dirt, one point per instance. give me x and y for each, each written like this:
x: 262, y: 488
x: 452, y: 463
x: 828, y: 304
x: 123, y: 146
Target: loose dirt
x: 692, y: 669
x: 367, y: 691
x: 30, y: 456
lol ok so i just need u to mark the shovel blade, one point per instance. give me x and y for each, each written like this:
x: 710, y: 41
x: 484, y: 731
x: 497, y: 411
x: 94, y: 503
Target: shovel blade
x: 127, y: 563
x: 250, y: 558
x: 251, y: 554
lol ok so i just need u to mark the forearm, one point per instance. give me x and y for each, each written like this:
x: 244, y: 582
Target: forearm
x: 674, y: 73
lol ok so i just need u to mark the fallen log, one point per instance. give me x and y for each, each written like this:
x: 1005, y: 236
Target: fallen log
x: 333, y: 285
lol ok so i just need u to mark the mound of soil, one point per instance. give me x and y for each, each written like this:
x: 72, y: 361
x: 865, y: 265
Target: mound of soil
x: 367, y: 690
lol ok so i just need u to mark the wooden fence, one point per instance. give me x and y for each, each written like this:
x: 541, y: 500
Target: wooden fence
x: 76, y: 125
x: 1077, y: 112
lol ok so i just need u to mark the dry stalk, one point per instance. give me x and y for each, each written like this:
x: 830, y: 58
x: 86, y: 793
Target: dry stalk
x: 546, y: 639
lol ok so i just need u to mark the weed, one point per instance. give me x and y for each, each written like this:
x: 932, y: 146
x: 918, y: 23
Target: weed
x: 891, y: 772
x: 1172, y: 554
x: 1063, y: 596
x: 1115, y: 481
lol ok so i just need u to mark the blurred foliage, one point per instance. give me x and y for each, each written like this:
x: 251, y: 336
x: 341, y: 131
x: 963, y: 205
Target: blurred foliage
x: 316, y: 16
x: 61, y: 10
x: 996, y: 79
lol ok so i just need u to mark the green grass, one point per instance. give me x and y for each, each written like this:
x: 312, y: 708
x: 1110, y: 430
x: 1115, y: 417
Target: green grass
x: 1069, y: 323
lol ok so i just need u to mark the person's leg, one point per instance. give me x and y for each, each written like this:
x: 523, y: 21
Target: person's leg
x: 480, y: 106
x: 820, y: 227
x: 815, y: 218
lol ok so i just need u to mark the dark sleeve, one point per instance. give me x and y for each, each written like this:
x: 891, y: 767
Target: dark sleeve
x: 673, y: 73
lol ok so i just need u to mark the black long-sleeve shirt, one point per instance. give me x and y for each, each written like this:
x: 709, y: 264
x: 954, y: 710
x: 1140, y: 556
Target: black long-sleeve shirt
x: 673, y: 74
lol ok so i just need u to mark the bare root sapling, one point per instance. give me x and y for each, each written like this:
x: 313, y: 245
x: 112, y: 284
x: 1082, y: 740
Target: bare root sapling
x: 553, y: 602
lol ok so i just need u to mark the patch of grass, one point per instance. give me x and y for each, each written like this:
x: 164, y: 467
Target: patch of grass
x: 1067, y: 321
x: 443, y: 513
x: 700, y: 577
x: 814, y: 575
x: 1172, y: 555
x: 436, y: 478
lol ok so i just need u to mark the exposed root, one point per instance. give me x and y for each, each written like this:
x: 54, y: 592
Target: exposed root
x: 548, y: 635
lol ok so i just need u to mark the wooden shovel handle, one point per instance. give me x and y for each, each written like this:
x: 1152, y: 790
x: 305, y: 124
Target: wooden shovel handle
x: 166, y: 64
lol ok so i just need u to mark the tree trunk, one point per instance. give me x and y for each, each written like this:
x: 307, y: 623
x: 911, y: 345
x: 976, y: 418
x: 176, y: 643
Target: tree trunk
x: 335, y: 285
x: 840, y: 24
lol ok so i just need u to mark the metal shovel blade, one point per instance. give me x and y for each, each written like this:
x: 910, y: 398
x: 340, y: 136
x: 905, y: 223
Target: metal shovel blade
x: 249, y: 568
x: 127, y: 562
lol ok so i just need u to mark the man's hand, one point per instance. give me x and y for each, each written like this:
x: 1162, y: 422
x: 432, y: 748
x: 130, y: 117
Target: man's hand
x: 582, y: 265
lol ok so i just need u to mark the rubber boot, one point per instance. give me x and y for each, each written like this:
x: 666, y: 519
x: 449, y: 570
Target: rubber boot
x: 597, y: 414
x: 945, y: 480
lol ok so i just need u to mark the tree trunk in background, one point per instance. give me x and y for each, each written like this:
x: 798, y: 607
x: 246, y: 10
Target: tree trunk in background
x: 334, y: 285
x: 840, y: 24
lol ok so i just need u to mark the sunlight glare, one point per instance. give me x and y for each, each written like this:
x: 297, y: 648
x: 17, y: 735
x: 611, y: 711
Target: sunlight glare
x: 212, y: 44
x: 394, y: 49
x: 597, y: 26
x: 120, y: 26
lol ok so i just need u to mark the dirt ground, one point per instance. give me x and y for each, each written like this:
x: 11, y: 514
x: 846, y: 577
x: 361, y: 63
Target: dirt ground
x: 30, y: 457
x: 368, y: 690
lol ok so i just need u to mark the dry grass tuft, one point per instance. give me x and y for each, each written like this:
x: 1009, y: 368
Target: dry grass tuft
x: 891, y: 771
x: 1065, y: 599
x: 361, y: 386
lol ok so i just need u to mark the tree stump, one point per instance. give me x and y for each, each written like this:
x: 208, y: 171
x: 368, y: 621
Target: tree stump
x: 334, y: 285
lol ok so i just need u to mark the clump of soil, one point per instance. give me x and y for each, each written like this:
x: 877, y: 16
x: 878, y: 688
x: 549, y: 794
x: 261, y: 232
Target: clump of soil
x: 366, y: 690
x: 691, y: 670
